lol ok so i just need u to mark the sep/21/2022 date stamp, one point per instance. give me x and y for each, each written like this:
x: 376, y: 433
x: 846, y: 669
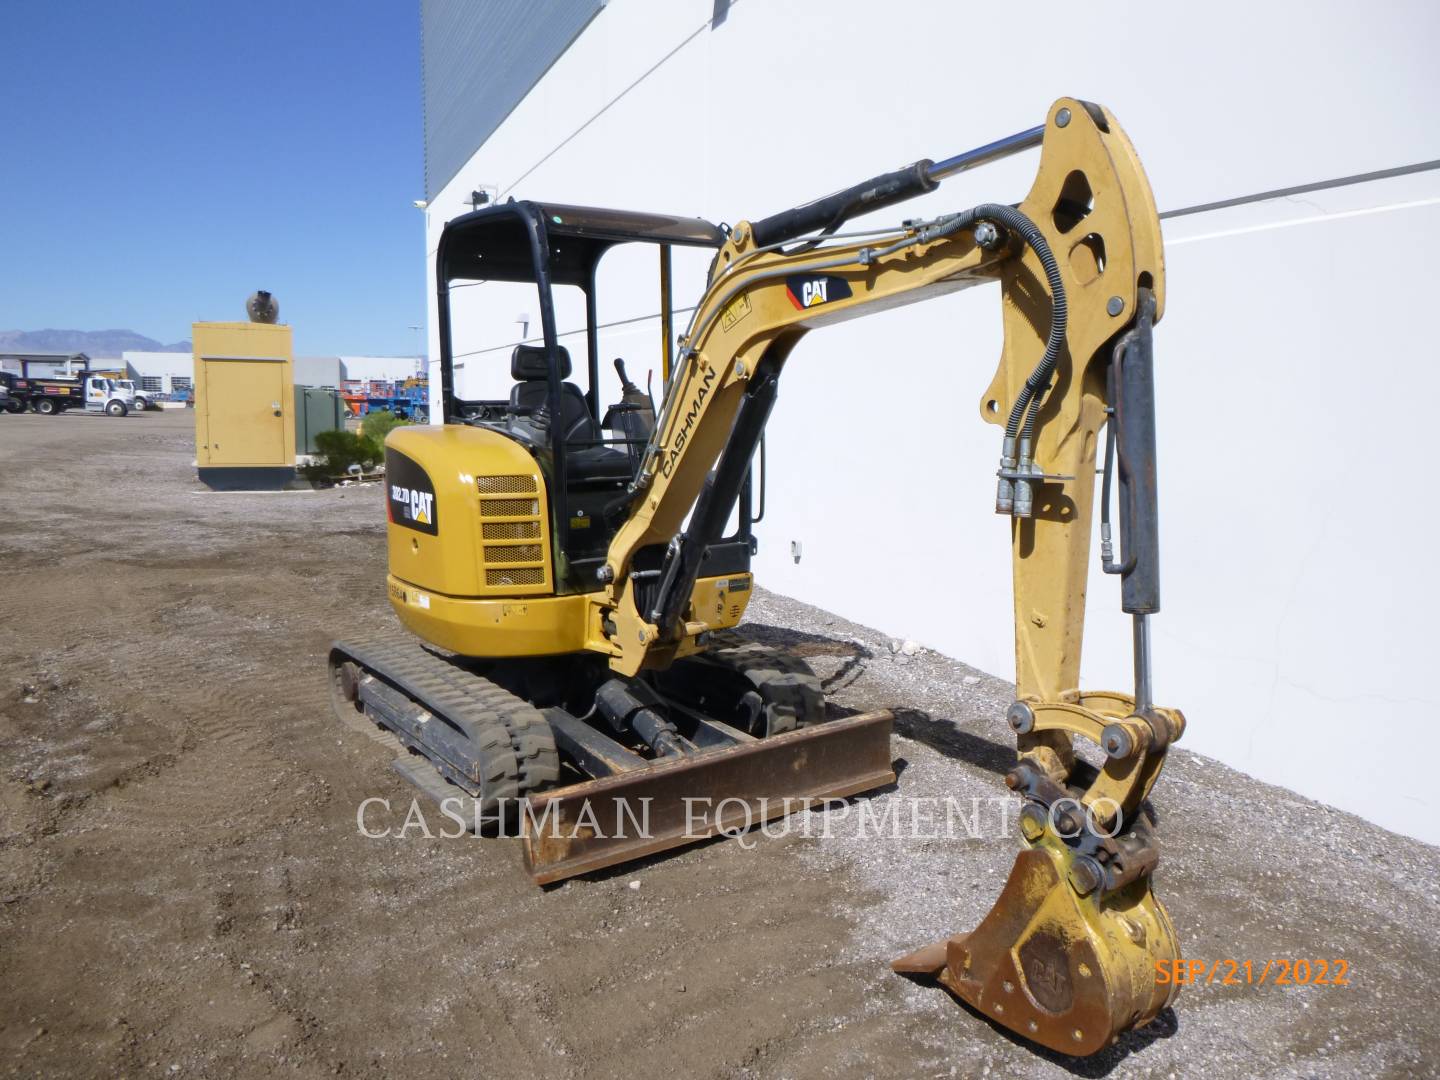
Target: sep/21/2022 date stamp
x: 1275, y: 972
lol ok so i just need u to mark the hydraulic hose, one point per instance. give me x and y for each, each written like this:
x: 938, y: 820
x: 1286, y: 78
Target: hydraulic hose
x: 1022, y: 411
x: 1000, y: 214
x: 1027, y: 404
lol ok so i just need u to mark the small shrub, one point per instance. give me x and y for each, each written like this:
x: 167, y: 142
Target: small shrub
x: 336, y: 451
x: 380, y: 423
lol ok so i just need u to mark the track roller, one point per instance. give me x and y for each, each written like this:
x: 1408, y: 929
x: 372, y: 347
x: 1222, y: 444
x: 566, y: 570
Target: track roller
x: 755, y: 687
x: 492, y: 745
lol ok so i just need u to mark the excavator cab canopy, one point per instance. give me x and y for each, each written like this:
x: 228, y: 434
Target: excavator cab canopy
x: 495, y: 243
x: 554, y: 401
x: 550, y: 244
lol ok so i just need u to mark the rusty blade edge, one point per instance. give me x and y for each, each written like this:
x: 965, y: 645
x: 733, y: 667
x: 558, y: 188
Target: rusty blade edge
x: 627, y: 849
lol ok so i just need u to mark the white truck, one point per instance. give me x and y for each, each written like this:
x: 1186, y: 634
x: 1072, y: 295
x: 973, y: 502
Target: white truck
x: 49, y: 396
x: 109, y: 396
x: 140, y: 400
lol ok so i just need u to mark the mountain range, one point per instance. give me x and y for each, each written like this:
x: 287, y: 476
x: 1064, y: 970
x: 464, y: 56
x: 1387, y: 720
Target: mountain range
x: 94, y: 343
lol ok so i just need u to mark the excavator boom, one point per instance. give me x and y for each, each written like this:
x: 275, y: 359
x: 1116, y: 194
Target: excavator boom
x: 1067, y: 956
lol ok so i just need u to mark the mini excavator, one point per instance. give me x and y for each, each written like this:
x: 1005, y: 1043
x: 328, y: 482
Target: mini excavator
x: 569, y: 597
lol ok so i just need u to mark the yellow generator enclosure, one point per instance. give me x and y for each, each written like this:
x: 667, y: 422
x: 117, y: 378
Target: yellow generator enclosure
x: 244, y: 405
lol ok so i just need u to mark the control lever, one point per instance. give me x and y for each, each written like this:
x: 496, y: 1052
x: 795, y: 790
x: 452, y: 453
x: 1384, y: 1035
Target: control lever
x: 633, y: 417
x: 626, y: 386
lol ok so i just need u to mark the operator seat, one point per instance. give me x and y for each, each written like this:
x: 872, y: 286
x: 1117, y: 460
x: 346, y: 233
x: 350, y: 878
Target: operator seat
x: 530, y: 368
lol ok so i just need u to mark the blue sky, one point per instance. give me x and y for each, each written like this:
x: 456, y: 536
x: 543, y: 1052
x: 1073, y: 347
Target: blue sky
x: 161, y: 159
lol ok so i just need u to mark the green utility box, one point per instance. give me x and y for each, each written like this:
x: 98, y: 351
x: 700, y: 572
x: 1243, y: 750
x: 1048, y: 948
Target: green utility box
x: 316, y: 411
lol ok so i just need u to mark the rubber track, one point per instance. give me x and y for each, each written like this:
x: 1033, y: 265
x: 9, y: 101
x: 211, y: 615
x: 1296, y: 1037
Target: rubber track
x: 508, y: 735
x: 791, y: 692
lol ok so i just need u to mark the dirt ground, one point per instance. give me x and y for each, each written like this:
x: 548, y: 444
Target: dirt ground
x: 184, y: 889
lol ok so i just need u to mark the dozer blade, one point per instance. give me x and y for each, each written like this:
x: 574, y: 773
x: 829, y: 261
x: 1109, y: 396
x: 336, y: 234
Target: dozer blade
x: 679, y: 801
x: 1069, y: 972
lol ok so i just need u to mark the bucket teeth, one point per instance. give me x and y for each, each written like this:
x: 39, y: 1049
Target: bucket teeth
x: 1067, y: 971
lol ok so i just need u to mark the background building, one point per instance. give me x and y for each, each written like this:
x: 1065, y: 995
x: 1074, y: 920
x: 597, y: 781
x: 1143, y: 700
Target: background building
x: 46, y: 365
x: 1296, y: 630
x: 159, y: 371
x: 318, y: 371
x: 379, y: 367
x: 167, y: 373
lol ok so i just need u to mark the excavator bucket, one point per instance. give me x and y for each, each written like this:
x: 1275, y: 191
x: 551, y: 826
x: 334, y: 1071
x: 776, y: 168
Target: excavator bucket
x: 647, y: 807
x: 1065, y: 970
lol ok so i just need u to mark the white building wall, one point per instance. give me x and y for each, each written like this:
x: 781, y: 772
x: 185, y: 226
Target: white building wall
x: 1293, y: 355
x: 165, y: 366
x: 317, y: 371
x: 378, y: 367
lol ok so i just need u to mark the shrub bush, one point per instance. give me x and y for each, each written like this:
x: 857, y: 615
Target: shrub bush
x: 336, y: 451
x: 380, y: 423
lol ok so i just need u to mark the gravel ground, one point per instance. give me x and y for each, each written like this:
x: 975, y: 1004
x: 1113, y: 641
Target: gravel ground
x: 184, y: 891
x: 1250, y: 871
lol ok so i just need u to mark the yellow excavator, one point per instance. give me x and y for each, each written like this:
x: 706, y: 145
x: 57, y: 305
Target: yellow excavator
x: 568, y: 581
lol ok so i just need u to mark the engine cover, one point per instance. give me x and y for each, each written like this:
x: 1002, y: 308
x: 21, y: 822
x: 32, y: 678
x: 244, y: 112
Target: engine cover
x: 468, y: 514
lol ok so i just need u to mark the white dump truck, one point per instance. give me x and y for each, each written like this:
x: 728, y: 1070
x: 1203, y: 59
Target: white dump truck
x: 49, y: 396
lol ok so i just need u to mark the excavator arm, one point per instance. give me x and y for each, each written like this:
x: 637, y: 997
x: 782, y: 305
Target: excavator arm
x: 1067, y: 956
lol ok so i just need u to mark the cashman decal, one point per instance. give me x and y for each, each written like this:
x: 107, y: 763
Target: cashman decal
x: 411, y: 496
x: 687, y: 423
